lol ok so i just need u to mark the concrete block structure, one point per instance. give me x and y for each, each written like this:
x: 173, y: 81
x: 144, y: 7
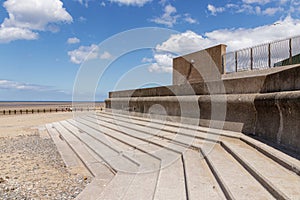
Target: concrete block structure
x: 263, y: 103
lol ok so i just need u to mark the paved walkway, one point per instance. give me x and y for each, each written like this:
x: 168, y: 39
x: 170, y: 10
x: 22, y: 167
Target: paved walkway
x: 138, y: 158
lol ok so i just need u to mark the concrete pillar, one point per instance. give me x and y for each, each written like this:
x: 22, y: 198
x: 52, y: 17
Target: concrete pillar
x: 201, y: 66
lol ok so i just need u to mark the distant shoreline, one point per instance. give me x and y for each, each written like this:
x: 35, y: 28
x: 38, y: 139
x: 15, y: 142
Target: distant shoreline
x: 18, y: 105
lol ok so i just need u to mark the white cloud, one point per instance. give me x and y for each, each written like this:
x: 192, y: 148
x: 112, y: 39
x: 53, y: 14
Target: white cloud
x: 183, y: 43
x: 190, y: 41
x: 169, y: 17
x: 91, y: 52
x: 82, y: 19
x: 84, y: 2
x: 35, y: 14
x: 256, y: 1
x: 73, y: 40
x: 8, y: 85
x: 214, y: 10
x: 189, y: 19
x: 162, y: 63
x: 13, y: 33
x: 27, y: 16
x: 106, y: 56
x: 139, y: 3
x: 147, y: 60
x: 272, y: 11
x: 77, y: 56
x: 103, y: 4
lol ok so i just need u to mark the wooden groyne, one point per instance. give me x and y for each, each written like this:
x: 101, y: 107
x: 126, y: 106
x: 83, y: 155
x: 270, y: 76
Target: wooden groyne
x: 44, y: 110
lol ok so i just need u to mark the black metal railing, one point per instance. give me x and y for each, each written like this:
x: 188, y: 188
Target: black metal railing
x: 274, y: 54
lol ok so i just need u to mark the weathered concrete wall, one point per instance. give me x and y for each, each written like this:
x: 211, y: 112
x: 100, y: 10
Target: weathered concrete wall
x: 278, y: 118
x: 265, y: 103
x: 265, y: 81
x: 201, y: 66
x: 273, y: 116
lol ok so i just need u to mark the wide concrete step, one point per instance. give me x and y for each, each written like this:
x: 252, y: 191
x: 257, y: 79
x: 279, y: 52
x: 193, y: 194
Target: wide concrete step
x: 102, y: 174
x: 225, y: 133
x: 144, y: 183
x: 181, y: 131
x: 274, y: 177
x: 171, y: 182
x: 166, y: 164
x: 155, y: 139
x: 93, y: 162
x: 155, y: 134
x: 209, y: 134
x: 67, y: 154
x: 115, y: 158
x: 234, y: 179
x: 201, y: 183
x: 155, y: 148
x: 132, y: 179
x: 168, y: 160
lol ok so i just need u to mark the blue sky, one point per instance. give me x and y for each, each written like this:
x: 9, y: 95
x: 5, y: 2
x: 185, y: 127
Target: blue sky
x: 43, y: 44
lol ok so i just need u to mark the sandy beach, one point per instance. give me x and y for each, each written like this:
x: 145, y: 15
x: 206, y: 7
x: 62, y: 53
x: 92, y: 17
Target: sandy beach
x: 30, y: 165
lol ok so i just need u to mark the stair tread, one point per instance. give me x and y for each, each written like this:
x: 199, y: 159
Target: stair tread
x: 69, y: 157
x: 154, y: 148
x: 238, y: 181
x: 280, y: 177
x: 142, y: 136
x: 93, y: 162
x: 171, y: 183
x: 115, y: 159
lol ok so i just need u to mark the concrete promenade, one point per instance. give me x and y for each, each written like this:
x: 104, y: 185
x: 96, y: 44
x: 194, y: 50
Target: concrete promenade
x: 142, y: 158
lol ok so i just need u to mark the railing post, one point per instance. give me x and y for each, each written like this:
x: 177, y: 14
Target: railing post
x: 251, y: 58
x: 236, y: 62
x: 223, y: 64
x: 291, y: 53
x: 269, y: 55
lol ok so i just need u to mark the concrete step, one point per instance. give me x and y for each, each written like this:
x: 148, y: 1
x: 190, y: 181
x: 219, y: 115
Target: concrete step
x: 140, y: 135
x: 93, y: 162
x: 68, y: 155
x: 274, y: 177
x: 169, y: 163
x: 203, y: 132
x: 154, y: 135
x: 233, y: 178
x: 283, y: 159
x: 102, y: 174
x: 181, y: 130
x: 171, y: 183
x: 157, y: 148
x: 116, y: 159
x: 118, y: 187
x: 201, y: 183
x: 143, y: 185
x: 225, y: 133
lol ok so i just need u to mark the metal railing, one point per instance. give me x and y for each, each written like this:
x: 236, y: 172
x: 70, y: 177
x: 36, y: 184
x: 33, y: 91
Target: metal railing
x: 274, y: 54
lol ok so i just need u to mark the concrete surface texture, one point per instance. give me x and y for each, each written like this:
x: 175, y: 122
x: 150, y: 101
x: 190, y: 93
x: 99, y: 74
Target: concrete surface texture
x: 201, y: 66
x: 146, y: 158
x: 264, y: 103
